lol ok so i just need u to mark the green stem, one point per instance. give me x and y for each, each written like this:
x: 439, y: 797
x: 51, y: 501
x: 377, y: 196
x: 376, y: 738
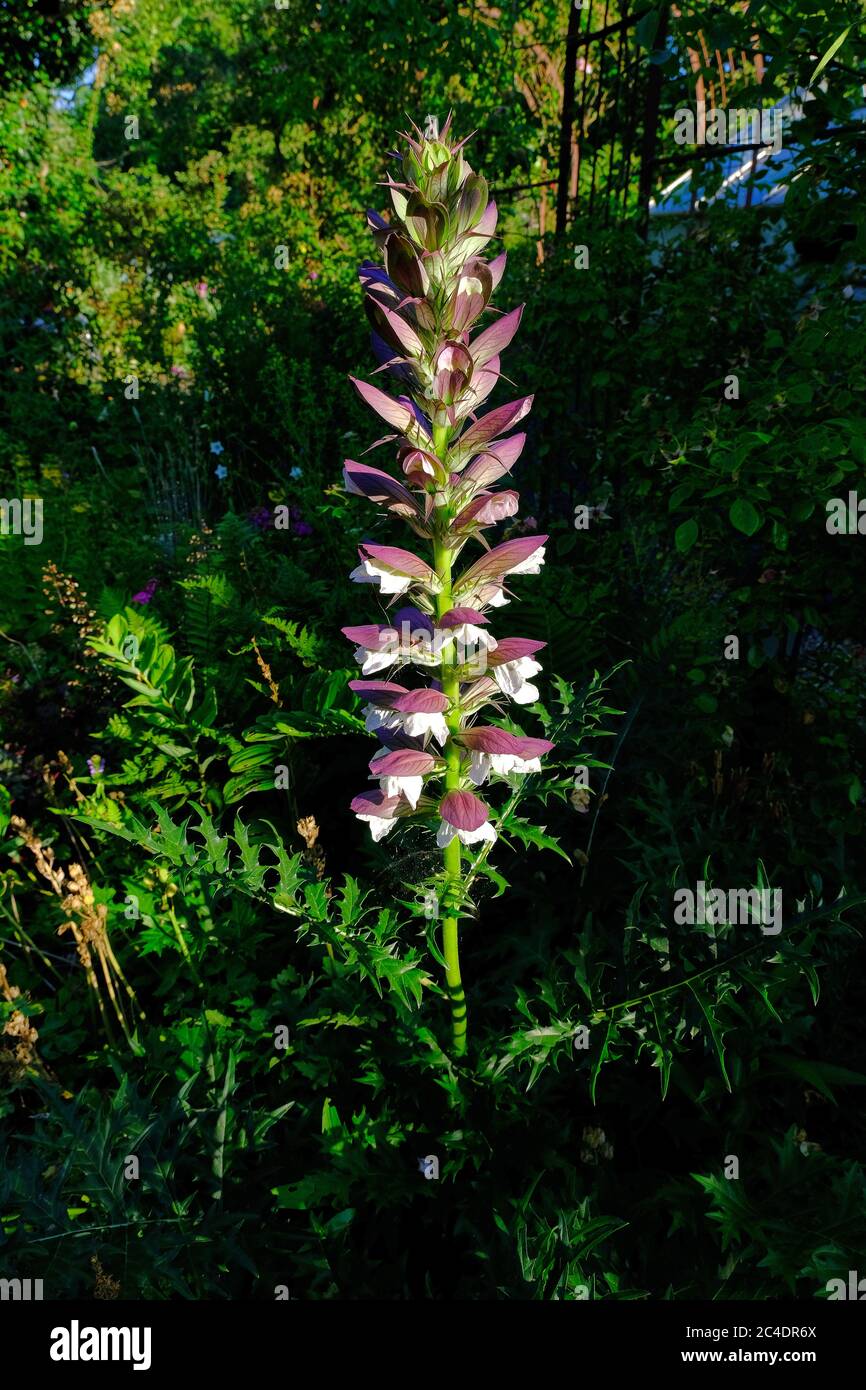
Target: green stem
x: 451, y: 689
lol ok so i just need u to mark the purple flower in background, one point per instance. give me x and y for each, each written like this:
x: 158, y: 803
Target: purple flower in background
x: 96, y: 765
x: 147, y: 593
x: 300, y: 527
x: 260, y: 517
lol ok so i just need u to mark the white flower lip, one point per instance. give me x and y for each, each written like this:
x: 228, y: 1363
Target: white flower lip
x: 371, y: 662
x: 376, y: 717
x: 379, y: 826
x: 410, y: 787
x: 481, y: 765
x: 469, y: 635
x: 512, y: 679
x: 418, y: 725
x: 469, y: 284
x: 367, y: 573
x: 446, y: 832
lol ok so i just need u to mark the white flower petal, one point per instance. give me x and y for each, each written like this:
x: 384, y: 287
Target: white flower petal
x: 445, y: 834
x: 371, y: 662
x: 508, y: 678
x: 418, y: 725
x: 379, y: 827
x: 479, y: 767
x: 377, y: 718
x: 367, y: 573
x: 411, y: 787
x: 469, y: 635
x: 361, y: 575
x: 474, y: 837
x: 532, y: 564
x: 393, y: 583
x: 511, y: 679
x: 527, y: 694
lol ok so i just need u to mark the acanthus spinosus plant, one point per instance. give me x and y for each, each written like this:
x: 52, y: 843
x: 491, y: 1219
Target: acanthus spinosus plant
x: 436, y: 748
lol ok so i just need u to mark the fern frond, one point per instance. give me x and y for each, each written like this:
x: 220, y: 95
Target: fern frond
x: 305, y: 644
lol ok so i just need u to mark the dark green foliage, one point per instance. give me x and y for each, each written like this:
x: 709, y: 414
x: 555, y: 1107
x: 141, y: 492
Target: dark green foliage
x: 277, y: 1060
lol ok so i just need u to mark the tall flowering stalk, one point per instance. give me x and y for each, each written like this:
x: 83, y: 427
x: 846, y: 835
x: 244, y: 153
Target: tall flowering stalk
x: 423, y: 303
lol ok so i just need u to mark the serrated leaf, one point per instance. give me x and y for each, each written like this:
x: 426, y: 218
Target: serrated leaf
x: 529, y: 834
x: 600, y: 1059
x: 715, y: 1030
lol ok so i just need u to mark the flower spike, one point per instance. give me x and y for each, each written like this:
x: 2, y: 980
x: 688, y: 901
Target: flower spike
x: 426, y: 303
